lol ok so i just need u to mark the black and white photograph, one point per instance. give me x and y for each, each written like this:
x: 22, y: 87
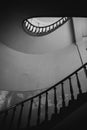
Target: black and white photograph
x: 43, y: 65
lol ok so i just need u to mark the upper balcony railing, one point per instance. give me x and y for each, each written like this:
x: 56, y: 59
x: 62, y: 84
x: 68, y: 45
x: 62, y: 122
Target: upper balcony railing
x: 35, y: 30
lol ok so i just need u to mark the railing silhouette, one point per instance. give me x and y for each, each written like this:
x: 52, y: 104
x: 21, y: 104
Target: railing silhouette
x: 42, y: 30
x: 13, y: 109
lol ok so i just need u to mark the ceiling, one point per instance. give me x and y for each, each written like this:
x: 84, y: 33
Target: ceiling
x: 35, y: 8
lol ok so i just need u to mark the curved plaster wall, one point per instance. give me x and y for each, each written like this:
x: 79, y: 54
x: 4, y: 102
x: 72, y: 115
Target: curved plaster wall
x: 23, y: 72
x: 44, y: 62
x: 80, y: 26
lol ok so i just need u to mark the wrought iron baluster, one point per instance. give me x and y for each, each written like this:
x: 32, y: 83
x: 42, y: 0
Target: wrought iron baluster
x: 38, y: 29
x: 35, y: 29
x: 55, y: 101
x: 29, y: 114
x: 61, y: 21
x: 64, y: 19
x: 85, y: 70
x: 44, y: 29
x: 58, y: 24
x: 28, y: 27
x: 71, y: 89
x: 47, y: 29
x: 51, y: 27
x: 31, y: 28
x: 78, y: 83
x: 46, y: 107
x: 20, y: 116
x: 55, y: 25
x: 12, y: 119
x: 39, y: 111
x: 63, y: 95
x: 26, y: 23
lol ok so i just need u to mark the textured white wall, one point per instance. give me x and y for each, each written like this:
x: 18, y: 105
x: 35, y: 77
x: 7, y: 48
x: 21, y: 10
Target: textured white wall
x: 80, y: 26
x: 23, y: 72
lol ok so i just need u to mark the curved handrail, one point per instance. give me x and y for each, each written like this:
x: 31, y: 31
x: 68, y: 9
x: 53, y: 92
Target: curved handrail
x: 42, y: 30
x: 46, y: 25
x: 46, y: 91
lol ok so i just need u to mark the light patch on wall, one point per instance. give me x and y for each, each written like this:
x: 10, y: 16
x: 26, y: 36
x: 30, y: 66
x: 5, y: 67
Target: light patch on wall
x: 20, y: 95
x: 3, y: 95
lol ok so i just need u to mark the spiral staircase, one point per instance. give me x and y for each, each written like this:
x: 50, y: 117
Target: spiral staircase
x: 12, y: 117
x: 24, y: 116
